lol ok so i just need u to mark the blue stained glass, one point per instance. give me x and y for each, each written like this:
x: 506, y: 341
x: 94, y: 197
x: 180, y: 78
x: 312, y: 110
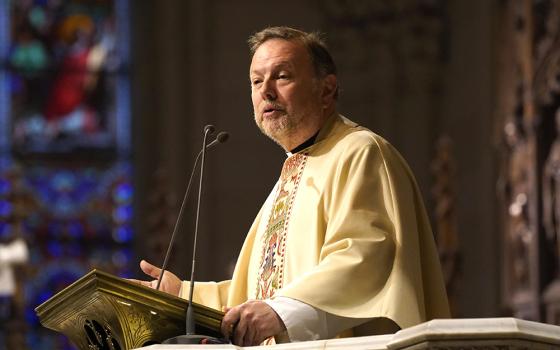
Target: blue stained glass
x: 86, y: 187
x: 55, y: 189
x: 76, y: 229
x: 55, y: 249
x: 5, y: 208
x: 122, y: 234
x: 35, y: 257
x: 122, y: 214
x: 31, y: 317
x: 44, y: 296
x: 44, y: 192
x: 4, y: 187
x: 75, y: 250
x: 125, y: 274
x: 42, y: 2
x: 64, y: 207
x: 123, y: 193
x: 71, y: 222
x: 97, y: 222
x: 53, y: 276
x: 5, y: 101
x: 101, y: 258
x: 16, y: 83
x: 120, y: 258
x: 5, y: 229
x: 63, y: 181
x: 33, y: 220
x: 55, y: 228
x: 5, y: 162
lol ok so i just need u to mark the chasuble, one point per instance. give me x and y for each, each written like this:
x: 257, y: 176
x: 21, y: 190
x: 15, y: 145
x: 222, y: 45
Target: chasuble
x: 344, y: 230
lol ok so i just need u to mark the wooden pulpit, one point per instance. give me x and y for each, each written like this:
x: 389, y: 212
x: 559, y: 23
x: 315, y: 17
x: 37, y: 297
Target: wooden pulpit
x: 105, y: 312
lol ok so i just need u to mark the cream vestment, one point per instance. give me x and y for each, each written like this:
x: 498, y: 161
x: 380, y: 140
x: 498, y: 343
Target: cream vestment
x: 345, y: 231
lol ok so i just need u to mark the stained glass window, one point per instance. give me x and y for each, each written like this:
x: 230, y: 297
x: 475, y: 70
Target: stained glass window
x: 64, y: 75
x: 65, y: 174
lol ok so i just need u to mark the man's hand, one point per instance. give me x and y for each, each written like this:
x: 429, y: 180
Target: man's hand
x: 169, y: 283
x: 251, y: 323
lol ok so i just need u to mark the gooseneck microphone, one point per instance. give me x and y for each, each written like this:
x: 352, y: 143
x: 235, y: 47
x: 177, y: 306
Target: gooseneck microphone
x: 190, y: 315
x: 221, y: 138
x: 190, y: 337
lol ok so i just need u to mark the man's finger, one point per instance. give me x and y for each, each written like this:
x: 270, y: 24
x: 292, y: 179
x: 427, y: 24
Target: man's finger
x: 229, y: 321
x: 240, y: 331
x: 249, y: 338
x: 144, y: 283
x: 150, y: 269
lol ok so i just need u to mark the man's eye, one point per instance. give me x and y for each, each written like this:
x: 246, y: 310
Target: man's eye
x: 256, y: 82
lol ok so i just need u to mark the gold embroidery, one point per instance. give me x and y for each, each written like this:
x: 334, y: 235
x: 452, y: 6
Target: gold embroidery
x: 274, y: 240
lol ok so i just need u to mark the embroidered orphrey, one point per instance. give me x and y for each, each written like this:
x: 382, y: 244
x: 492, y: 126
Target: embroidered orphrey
x: 271, y: 267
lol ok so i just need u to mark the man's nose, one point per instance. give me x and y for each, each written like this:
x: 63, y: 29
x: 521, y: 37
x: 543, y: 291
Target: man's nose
x: 268, y: 90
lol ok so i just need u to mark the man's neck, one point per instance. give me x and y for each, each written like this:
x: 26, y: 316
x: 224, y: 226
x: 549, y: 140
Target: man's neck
x: 296, y: 140
x: 305, y: 132
x: 310, y: 141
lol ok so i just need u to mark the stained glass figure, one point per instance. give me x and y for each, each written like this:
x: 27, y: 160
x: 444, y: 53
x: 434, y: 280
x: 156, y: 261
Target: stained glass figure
x: 63, y: 69
x: 65, y: 129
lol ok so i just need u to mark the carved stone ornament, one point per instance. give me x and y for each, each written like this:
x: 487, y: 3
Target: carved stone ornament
x: 547, y: 51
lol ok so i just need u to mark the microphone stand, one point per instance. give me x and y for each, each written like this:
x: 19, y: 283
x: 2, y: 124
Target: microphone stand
x: 221, y: 138
x: 191, y: 337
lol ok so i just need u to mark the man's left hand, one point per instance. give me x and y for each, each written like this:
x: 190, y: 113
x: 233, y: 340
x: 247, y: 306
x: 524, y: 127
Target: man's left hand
x: 251, y: 323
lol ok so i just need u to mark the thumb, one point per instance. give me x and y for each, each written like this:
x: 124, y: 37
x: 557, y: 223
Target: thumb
x: 150, y: 269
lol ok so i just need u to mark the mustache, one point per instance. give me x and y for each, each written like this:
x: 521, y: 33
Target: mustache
x: 271, y: 105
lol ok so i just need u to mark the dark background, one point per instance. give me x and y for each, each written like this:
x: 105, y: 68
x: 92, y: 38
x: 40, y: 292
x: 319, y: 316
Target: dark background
x: 411, y: 71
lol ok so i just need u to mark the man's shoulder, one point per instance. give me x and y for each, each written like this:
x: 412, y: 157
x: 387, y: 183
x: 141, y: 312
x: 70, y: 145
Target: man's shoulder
x: 350, y: 135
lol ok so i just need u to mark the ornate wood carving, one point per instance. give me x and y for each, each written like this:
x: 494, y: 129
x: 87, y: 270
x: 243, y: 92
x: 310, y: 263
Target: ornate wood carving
x: 528, y: 105
x: 104, y: 312
x: 551, y: 193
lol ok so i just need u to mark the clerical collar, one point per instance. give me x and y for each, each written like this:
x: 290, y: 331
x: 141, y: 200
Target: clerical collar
x: 304, y: 145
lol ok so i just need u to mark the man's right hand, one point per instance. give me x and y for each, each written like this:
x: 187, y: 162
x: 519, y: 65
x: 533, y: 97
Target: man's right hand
x: 170, y: 283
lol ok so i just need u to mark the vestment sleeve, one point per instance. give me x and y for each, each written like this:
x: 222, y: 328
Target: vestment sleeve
x: 233, y: 292
x: 211, y: 294
x: 304, y: 322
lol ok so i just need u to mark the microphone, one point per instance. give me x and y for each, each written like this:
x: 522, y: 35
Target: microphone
x: 190, y: 337
x: 220, y: 138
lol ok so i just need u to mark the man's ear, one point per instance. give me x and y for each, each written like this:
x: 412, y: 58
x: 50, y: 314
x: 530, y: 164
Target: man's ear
x: 330, y: 88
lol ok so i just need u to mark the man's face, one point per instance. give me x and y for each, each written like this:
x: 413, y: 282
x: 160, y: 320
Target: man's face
x: 284, y: 89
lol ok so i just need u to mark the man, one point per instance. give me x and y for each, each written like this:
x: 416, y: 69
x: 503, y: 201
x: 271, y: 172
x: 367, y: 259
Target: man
x: 342, y: 245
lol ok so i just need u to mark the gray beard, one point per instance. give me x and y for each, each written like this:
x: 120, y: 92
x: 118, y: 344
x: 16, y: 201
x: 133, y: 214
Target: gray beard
x: 281, y: 128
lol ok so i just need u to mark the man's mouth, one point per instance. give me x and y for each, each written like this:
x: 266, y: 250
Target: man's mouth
x: 272, y: 111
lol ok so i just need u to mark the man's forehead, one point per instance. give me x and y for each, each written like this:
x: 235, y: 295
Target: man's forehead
x: 273, y: 65
x: 278, y: 53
